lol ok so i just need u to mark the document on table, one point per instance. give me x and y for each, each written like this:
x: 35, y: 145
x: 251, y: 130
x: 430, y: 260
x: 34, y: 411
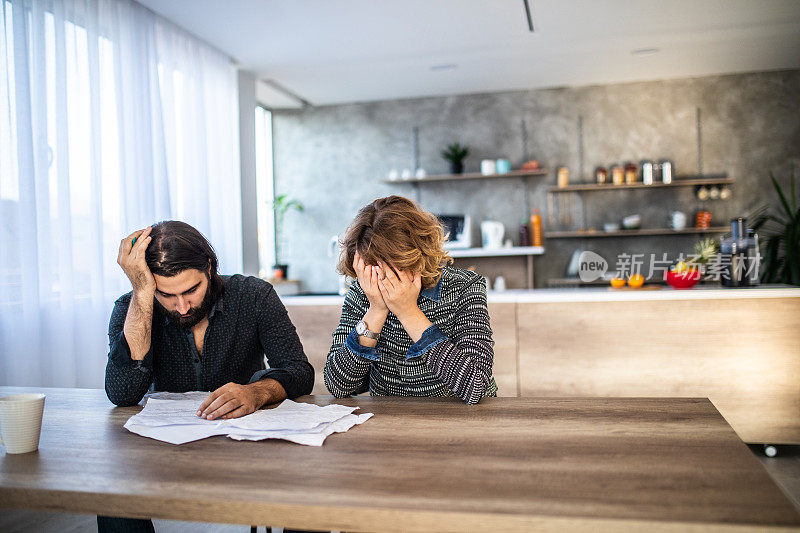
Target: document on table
x: 172, y: 417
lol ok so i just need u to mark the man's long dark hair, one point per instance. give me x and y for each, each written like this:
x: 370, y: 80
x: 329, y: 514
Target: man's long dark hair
x: 176, y: 246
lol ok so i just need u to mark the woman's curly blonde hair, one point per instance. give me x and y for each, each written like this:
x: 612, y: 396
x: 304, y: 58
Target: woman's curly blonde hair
x: 396, y: 231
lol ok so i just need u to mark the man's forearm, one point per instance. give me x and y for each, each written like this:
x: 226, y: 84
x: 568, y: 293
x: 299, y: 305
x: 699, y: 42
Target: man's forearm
x: 267, y: 391
x: 138, y: 324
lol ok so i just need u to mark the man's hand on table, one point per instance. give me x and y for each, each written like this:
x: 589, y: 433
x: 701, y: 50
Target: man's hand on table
x: 233, y: 400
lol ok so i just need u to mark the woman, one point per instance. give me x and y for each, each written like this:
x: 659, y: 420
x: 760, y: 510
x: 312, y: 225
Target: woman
x: 411, y: 325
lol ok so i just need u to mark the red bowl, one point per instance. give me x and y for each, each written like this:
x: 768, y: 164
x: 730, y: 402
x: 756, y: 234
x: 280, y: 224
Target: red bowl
x: 682, y: 280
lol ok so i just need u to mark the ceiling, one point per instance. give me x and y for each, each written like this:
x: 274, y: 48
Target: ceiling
x: 330, y: 52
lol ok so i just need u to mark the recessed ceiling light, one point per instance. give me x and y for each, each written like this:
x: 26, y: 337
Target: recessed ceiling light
x: 645, y: 51
x: 442, y: 68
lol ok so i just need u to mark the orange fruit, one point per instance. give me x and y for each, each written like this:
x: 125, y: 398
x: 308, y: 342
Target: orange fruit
x: 636, y: 281
x: 680, y: 266
x: 617, y: 283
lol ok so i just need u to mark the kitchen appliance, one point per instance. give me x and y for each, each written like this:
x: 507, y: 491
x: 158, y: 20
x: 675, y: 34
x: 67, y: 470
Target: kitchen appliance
x: 739, y: 258
x: 334, y: 247
x: 492, y: 233
x: 458, y: 229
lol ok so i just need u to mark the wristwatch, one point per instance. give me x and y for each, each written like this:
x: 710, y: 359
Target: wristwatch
x: 363, y: 331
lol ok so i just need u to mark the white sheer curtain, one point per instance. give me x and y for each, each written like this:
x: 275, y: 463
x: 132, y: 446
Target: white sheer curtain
x: 111, y: 118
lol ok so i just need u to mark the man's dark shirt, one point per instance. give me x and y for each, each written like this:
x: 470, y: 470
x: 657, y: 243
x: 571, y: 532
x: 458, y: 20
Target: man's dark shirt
x: 246, y: 323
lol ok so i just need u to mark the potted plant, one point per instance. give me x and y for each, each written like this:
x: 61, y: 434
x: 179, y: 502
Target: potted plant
x: 455, y: 154
x: 781, y: 263
x: 281, y: 205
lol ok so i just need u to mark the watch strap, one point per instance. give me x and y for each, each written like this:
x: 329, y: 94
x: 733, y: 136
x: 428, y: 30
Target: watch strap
x: 365, y: 332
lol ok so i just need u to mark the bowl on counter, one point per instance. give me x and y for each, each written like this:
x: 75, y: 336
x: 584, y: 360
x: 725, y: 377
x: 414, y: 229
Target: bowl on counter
x: 682, y: 280
x: 611, y: 227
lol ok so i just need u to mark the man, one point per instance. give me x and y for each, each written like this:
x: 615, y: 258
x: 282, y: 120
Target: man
x: 184, y: 327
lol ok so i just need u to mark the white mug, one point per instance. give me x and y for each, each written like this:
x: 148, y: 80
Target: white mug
x: 488, y: 166
x: 499, y: 283
x: 677, y: 220
x: 21, y: 422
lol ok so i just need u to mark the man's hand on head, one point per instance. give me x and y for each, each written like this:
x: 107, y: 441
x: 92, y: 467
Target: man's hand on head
x: 131, y: 259
x: 233, y: 400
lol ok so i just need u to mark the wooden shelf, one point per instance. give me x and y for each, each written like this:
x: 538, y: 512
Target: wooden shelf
x: 685, y: 181
x: 470, y: 176
x: 632, y: 232
x: 496, y: 252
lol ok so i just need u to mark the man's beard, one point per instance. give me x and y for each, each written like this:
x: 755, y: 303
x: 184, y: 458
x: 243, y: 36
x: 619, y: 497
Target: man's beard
x: 195, y: 315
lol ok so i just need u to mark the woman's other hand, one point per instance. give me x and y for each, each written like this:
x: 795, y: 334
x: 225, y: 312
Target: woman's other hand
x: 400, y: 290
x: 368, y: 279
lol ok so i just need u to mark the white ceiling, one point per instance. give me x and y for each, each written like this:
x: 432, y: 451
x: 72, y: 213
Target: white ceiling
x: 336, y: 51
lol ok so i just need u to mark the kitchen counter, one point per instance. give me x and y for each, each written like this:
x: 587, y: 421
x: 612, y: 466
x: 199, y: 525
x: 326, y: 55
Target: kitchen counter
x: 598, y: 294
x: 737, y: 347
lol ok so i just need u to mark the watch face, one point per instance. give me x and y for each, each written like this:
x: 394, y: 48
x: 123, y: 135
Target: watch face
x: 361, y: 327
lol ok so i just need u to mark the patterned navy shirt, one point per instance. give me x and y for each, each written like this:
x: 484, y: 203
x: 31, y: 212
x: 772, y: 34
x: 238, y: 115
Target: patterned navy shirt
x: 454, y: 357
x: 245, y: 324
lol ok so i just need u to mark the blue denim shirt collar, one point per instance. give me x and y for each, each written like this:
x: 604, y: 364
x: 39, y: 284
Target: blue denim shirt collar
x: 434, y: 293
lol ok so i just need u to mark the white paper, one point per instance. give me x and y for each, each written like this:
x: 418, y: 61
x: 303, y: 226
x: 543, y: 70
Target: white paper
x: 172, y: 417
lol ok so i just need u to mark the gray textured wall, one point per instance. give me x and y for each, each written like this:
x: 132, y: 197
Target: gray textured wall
x: 333, y: 158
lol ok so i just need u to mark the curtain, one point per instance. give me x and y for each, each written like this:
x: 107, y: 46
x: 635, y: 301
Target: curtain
x: 111, y: 118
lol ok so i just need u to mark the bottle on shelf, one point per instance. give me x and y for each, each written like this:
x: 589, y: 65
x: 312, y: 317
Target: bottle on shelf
x: 536, y: 228
x: 562, y: 176
x: 524, y: 234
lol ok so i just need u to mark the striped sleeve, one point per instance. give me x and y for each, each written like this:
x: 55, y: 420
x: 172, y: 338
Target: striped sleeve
x: 464, y: 362
x: 347, y: 367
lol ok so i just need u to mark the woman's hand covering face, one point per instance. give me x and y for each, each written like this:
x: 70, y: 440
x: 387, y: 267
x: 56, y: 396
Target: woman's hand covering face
x: 399, y: 288
x: 368, y: 279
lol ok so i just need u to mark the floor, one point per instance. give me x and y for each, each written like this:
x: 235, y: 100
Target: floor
x: 784, y: 469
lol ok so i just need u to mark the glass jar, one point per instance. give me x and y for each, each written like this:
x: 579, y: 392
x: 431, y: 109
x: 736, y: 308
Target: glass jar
x: 630, y: 173
x: 601, y: 175
x: 617, y: 175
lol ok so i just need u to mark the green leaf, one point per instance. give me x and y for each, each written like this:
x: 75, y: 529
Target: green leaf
x: 781, y: 195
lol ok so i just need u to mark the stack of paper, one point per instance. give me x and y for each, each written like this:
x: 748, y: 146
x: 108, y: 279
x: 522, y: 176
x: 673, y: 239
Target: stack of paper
x: 172, y: 417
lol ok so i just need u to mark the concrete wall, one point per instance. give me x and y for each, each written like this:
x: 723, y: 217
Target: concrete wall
x: 332, y: 159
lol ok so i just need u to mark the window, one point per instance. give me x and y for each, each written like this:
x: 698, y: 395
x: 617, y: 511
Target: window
x: 265, y: 192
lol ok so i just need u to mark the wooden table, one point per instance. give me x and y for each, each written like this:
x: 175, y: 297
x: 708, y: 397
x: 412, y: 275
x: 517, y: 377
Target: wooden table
x: 420, y: 464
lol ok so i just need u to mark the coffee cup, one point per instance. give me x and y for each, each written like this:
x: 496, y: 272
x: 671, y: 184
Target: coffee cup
x: 677, y: 220
x: 488, y: 166
x: 21, y: 422
x: 503, y: 166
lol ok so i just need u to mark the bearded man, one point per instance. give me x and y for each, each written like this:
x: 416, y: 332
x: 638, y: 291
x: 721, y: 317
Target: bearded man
x: 184, y: 327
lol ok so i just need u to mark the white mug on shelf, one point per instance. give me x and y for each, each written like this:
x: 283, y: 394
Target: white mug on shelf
x: 677, y: 220
x: 488, y: 166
